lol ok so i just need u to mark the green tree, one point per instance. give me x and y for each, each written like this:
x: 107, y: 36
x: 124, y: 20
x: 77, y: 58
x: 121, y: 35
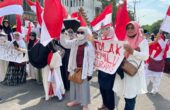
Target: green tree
x: 153, y: 28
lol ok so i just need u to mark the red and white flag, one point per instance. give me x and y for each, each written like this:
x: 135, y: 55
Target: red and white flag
x: 1, y: 20
x: 104, y: 18
x: 39, y: 11
x: 65, y: 13
x: 18, y: 23
x: 8, y: 7
x: 80, y: 18
x: 32, y: 5
x: 166, y: 23
x: 122, y: 18
x: 52, y: 21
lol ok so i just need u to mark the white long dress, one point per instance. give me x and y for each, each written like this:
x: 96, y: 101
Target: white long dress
x: 3, y: 69
x: 47, y: 76
x: 153, y: 76
x: 131, y: 86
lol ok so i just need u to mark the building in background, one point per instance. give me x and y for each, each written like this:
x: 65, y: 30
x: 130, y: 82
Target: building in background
x: 91, y: 7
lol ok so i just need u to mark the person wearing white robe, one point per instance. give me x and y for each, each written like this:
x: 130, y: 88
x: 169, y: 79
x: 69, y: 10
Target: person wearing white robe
x: 80, y: 93
x: 52, y: 74
x: 153, y: 76
x: 3, y: 64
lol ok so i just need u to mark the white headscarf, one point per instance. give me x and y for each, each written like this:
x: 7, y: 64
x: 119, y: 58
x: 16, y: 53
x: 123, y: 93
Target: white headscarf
x: 20, y: 41
x: 83, y: 38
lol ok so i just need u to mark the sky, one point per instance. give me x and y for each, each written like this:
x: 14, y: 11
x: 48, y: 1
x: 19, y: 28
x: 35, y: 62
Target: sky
x: 149, y: 11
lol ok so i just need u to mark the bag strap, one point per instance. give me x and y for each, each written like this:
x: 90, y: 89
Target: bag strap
x: 139, y: 65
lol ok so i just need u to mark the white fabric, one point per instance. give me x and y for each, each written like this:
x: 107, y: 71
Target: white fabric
x: 32, y: 72
x: 46, y: 75
x: 106, y: 20
x: 45, y: 35
x: 11, y: 9
x: 3, y: 69
x: 33, y: 8
x: 162, y: 43
x: 20, y: 42
x: 155, y: 80
x: 152, y: 76
x: 166, y: 24
x: 89, y: 56
x: 130, y: 87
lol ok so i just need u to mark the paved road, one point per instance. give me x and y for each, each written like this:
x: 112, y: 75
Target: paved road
x: 29, y: 97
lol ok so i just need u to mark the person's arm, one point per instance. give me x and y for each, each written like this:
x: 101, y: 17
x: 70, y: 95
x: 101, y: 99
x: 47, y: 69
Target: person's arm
x: 67, y: 43
x: 91, y: 59
x: 143, y: 54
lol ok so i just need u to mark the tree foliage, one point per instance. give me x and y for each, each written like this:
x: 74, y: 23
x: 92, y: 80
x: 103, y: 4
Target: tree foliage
x: 153, y: 28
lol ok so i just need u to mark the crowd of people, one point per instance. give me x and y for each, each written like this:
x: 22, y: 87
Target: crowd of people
x: 57, y: 63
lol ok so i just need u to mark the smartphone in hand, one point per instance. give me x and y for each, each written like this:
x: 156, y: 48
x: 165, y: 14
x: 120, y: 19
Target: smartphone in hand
x: 15, y: 44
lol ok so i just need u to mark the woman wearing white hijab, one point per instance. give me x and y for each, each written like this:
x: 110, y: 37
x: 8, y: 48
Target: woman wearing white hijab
x: 16, y: 72
x: 82, y: 56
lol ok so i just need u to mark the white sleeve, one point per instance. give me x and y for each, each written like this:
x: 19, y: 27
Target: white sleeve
x: 162, y: 43
x: 91, y: 58
x: 67, y: 43
x: 144, y: 51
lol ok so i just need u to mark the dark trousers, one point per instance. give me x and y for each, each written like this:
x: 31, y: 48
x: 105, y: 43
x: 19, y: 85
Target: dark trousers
x: 106, y: 82
x: 130, y: 104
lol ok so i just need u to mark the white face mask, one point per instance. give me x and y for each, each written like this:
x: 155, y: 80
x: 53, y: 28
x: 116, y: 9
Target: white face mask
x: 80, y: 37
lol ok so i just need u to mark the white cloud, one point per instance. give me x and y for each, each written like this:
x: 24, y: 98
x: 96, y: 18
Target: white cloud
x: 149, y: 16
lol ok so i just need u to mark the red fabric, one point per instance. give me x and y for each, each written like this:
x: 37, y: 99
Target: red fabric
x: 80, y: 55
x: 10, y: 2
x: 106, y: 11
x: 122, y: 18
x: 50, y: 55
x: 79, y: 17
x: 53, y: 17
x: 156, y: 47
x: 50, y: 92
x: 168, y: 12
x: 19, y: 23
x: 74, y: 15
x: 165, y: 51
x: 1, y: 19
x: 28, y: 33
x: 39, y: 11
x: 65, y: 13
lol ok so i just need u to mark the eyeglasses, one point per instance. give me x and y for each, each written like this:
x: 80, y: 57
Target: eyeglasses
x: 78, y: 32
x: 130, y: 27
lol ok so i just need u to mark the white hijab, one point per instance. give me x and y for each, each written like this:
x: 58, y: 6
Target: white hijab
x: 20, y: 41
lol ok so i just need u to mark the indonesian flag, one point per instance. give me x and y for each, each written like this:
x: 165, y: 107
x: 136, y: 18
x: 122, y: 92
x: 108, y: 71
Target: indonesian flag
x: 80, y: 18
x: 52, y: 21
x: 28, y: 32
x: 39, y: 11
x: 19, y: 23
x: 1, y: 20
x: 8, y: 7
x: 32, y: 5
x: 104, y: 18
x: 36, y: 8
x: 65, y: 13
x: 122, y: 18
x: 166, y: 23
